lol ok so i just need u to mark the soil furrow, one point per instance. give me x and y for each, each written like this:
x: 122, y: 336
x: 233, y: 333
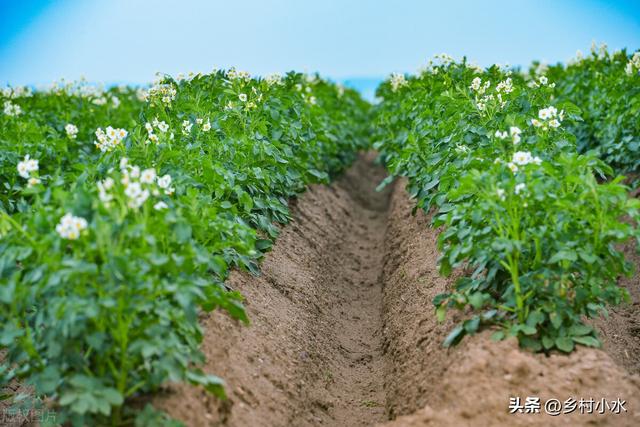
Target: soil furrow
x: 313, y: 353
x: 356, y: 385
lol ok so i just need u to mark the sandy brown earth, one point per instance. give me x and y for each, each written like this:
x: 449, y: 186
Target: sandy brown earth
x: 313, y: 352
x: 620, y: 332
x: 343, y: 333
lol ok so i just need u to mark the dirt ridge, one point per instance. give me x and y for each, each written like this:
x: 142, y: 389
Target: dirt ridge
x: 470, y: 384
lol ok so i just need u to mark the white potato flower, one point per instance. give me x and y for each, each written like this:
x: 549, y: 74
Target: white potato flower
x: 544, y: 114
x: 160, y: 206
x: 133, y: 190
x: 519, y: 188
x: 142, y: 95
x: 108, y: 183
x: 633, y: 64
x: 274, y: 79
x: 70, y: 226
x: 148, y: 176
x: 515, y: 132
x: 475, y: 83
x: 397, y: 81
x: 103, y: 188
x: 505, y: 86
x: 109, y: 138
x: 186, y: 127
x: 549, y: 117
x: 72, y: 130
x: 138, y: 200
x: 27, y: 166
x: 135, y: 172
x: 163, y: 126
x: 164, y: 182
x: 501, y: 134
x: 522, y: 158
x: 11, y: 109
x: 166, y: 92
x: 22, y: 170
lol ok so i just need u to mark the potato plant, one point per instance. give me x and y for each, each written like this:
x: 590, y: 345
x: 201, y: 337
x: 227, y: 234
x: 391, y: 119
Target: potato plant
x: 123, y: 210
x: 529, y: 217
x: 605, y: 86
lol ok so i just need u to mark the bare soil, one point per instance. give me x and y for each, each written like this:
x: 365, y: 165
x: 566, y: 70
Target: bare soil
x: 313, y: 353
x: 343, y: 333
x: 620, y: 332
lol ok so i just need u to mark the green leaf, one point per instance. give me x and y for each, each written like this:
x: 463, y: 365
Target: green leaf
x: 48, y: 380
x: 182, y: 232
x: 497, y: 336
x: 67, y: 398
x: 565, y: 344
x: 388, y: 180
x: 476, y: 300
x: 563, y: 255
x: 535, y: 318
x: 527, y: 330
x: 112, y: 396
x: 588, y: 257
x: 547, y: 342
x: 530, y: 343
x: 589, y: 341
x: 471, y: 326
x: 454, y: 336
x: 578, y: 329
x: 211, y: 383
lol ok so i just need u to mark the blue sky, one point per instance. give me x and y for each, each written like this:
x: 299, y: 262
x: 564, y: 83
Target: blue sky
x: 129, y: 40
